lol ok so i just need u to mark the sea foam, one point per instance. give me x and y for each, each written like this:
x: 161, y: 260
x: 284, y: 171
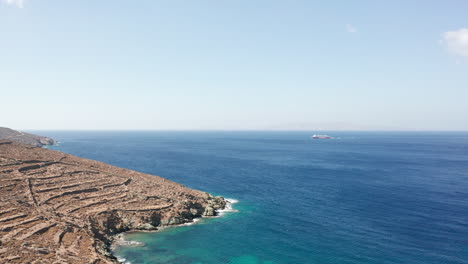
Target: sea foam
x: 228, y: 208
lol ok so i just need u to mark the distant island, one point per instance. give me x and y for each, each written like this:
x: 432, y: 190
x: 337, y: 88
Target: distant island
x: 58, y: 208
x: 26, y: 138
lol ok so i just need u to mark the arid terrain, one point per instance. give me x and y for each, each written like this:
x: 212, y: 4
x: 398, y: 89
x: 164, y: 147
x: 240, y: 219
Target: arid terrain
x: 23, y: 137
x: 58, y: 208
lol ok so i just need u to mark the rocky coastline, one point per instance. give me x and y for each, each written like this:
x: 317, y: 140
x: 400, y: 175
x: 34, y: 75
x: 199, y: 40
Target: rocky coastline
x: 58, y: 208
x: 25, y: 138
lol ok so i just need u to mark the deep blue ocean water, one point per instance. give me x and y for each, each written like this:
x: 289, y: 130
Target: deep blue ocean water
x: 363, y: 197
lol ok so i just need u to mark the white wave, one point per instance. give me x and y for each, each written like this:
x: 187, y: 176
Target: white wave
x: 122, y: 260
x: 228, y: 208
x: 194, y: 221
x: 121, y: 241
x: 233, y: 201
x: 135, y: 243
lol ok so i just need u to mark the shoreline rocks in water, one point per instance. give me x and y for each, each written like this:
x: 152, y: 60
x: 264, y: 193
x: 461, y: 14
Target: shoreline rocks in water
x: 58, y: 208
x: 214, y: 204
x: 119, y: 240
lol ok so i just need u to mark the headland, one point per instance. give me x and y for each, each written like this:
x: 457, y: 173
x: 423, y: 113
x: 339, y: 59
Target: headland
x: 59, y: 208
x: 25, y: 138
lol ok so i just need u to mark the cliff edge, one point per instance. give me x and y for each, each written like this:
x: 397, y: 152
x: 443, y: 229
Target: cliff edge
x: 58, y: 208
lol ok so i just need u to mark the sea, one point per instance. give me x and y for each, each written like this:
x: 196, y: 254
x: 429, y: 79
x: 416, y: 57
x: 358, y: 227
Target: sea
x: 358, y: 198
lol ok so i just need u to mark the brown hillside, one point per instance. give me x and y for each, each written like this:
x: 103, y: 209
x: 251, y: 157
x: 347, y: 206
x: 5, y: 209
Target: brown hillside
x: 58, y: 208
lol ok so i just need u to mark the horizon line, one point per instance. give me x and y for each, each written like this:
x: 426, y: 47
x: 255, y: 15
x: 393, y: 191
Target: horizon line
x: 253, y: 130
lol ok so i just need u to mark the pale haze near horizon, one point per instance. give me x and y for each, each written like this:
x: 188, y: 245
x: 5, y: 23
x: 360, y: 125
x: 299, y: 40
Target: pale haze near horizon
x: 234, y: 65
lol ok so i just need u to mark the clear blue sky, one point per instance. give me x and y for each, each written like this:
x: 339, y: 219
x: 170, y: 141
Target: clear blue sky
x: 234, y: 64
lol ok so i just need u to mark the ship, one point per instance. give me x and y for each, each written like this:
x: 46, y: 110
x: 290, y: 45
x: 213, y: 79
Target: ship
x: 321, y: 136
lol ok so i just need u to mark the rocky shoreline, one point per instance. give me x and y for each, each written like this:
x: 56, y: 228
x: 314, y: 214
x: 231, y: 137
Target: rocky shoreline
x: 58, y: 208
x: 219, y: 204
x: 214, y: 205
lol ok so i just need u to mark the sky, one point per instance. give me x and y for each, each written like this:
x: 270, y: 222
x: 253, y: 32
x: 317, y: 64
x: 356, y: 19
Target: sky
x: 234, y: 65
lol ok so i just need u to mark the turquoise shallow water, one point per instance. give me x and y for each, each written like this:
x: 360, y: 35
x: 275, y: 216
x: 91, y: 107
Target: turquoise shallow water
x: 363, y: 197
x: 173, y: 245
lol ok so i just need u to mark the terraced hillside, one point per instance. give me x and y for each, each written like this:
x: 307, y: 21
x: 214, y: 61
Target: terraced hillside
x: 58, y: 208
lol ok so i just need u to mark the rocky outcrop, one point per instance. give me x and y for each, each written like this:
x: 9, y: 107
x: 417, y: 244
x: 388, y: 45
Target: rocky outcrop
x: 25, y: 138
x: 214, y: 204
x: 58, y: 208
